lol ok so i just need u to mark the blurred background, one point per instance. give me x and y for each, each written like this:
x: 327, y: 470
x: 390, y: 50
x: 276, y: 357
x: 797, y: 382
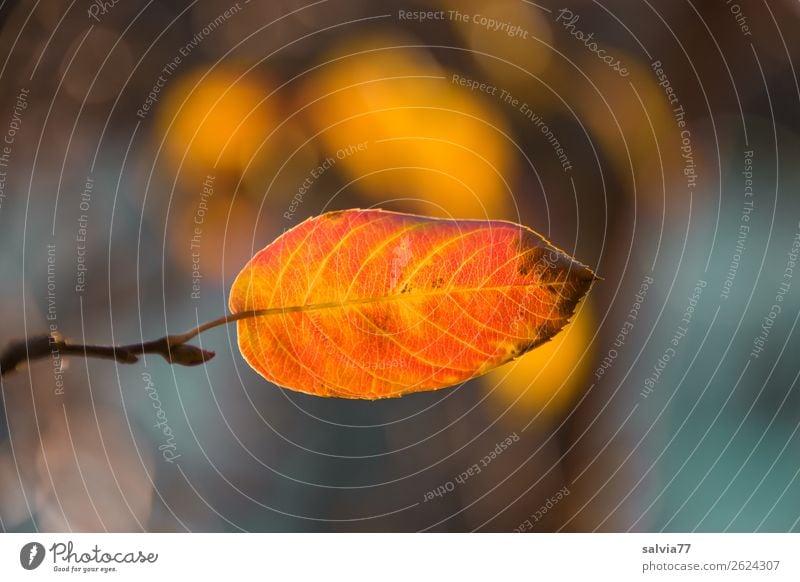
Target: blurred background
x: 151, y: 148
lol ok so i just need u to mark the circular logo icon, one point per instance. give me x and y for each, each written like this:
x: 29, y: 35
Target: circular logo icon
x: 31, y: 555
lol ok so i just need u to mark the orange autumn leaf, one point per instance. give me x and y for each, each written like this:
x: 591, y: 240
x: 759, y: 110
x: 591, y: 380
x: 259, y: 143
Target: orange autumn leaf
x: 373, y: 304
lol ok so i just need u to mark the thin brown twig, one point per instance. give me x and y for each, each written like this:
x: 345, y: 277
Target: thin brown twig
x: 173, y: 348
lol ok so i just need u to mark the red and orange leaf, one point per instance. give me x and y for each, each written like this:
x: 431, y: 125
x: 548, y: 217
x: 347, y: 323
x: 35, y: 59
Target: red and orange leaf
x: 373, y: 304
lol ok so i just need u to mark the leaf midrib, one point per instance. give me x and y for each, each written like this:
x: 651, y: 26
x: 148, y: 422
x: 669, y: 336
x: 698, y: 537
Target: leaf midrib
x: 386, y: 299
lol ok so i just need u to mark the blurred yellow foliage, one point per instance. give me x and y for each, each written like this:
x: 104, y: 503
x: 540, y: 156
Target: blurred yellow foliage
x: 550, y: 378
x: 213, y: 118
x: 424, y: 137
x: 524, y: 43
x: 627, y: 120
